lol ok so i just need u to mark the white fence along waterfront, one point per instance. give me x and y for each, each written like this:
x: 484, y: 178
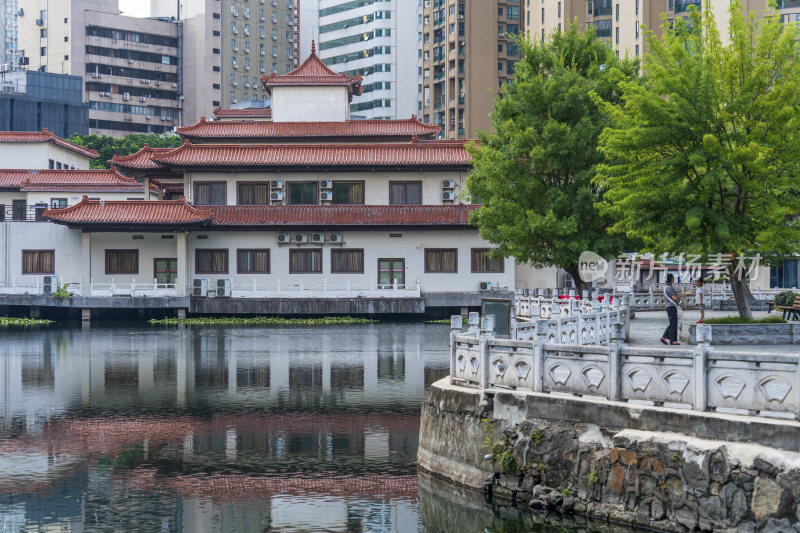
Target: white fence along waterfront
x: 699, y: 379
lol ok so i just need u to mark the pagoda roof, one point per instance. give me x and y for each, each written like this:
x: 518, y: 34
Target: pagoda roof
x: 45, y: 136
x: 314, y: 72
x: 266, y: 131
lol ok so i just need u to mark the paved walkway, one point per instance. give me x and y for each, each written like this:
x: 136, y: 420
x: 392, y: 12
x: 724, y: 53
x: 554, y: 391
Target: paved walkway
x: 648, y: 326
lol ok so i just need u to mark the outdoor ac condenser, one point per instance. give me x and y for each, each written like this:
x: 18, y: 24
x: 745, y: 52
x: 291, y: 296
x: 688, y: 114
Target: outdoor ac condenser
x: 49, y: 284
x: 200, y: 287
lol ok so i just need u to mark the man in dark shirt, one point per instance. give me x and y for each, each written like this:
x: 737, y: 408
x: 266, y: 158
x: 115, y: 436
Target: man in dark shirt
x: 671, y: 301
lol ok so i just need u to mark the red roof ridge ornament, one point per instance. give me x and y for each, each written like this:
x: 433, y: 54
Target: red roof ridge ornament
x: 313, y: 47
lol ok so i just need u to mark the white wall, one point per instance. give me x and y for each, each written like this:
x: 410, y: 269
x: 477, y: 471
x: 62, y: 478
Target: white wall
x: 38, y: 155
x: 18, y: 236
x: 310, y: 104
x: 376, y: 245
x: 376, y: 184
x: 152, y: 246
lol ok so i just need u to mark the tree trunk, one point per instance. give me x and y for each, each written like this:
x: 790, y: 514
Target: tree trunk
x: 580, y: 285
x: 741, y: 292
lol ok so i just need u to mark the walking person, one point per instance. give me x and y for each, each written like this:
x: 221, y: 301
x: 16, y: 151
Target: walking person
x: 671, y: 298
x: 701, y: 299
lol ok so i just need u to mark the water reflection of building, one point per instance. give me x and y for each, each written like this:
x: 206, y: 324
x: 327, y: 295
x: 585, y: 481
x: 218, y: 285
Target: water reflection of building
x: 181, y: 417
x: 55, y: 372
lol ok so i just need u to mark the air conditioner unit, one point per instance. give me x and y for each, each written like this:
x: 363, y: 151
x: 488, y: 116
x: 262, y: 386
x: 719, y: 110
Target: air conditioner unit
x: 223, y: 287
x: 486, y: 285
x: 235, y: 83
x: 334, y: 237
x: 147, y: 117
x: 317, y: 237
x: 49, y: 284
x: 276, y: 196
x: 274, y: 54
x: 142, y: 99
x: 174, y: 85
x: 325, y: 196
x: 448, y: 195
x: 199, y: 287
x: 130, y: 61
x: 276, y: 184
x: 448, y: 184
x: 247, y: 67
x: 236, y: 65
x: 158, y: 82
x: 95, y: 74
x: 235, y: 48
x: 283, y: 238
x: 326, y: 184
x: 40, y: 22
x: 300, y: 237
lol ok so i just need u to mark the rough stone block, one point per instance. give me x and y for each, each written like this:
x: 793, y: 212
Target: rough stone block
x: 769, y: 499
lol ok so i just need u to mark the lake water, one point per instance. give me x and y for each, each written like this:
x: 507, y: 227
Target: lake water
x: 144, y: 428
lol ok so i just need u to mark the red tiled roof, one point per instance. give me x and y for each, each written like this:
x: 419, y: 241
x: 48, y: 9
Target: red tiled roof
x: 44, y: 136
x: 135, y: 213
x: 417, y: 154
x: 68, y: 180
x: 252, y: 112
x: 141, y: 160
x: 314, y: 72
x: 265, y: 131
x: 365, y: 216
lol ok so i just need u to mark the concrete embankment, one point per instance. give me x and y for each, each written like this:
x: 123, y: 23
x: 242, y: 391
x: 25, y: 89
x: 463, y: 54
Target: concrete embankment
x: 650, y: 466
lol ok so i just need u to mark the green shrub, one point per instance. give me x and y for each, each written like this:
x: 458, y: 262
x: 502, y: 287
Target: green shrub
x: 740, y: 320
x: 785, y: 299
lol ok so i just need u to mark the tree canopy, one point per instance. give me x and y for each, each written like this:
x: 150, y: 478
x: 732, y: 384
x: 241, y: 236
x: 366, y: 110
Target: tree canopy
x: 107, y: 146
x: 534, y: 174
x: 704, y: 156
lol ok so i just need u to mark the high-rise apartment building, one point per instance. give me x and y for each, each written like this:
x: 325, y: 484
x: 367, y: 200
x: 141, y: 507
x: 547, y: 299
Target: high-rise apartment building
x: 228, y: 45
x: 622, y: 23
x: 9, y: 34
x: 130, y: 66
x: 467, y: 54
x: 376, y: 39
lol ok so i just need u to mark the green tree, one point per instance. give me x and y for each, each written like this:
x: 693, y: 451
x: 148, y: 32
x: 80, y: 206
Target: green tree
x: 107, y: 147
x: 533, y: 175
x: 704, y: 157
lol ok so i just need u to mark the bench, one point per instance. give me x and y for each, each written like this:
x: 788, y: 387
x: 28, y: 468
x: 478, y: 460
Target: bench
x: 793, y: 312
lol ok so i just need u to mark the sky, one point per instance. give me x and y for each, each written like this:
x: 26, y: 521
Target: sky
x: 135, y: 8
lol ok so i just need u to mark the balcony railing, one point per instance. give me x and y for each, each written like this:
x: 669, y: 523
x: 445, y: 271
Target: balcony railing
x: 683, y: 5
x: 334, y: 289
x: 22, y: 213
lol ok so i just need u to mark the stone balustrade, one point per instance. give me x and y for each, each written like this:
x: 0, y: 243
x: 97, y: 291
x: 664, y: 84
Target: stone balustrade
x: 699, y: 379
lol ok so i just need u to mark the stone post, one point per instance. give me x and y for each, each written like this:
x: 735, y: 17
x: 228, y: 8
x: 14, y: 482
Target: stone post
x: 540, y: 338
x: 474, y: 324
x: 614, y: 355
x: 651, y: 300
x: 512, y: 334
x: 627, y: 316
x: 487, y: 326
x: 701, y: 351
x: 455, y: 329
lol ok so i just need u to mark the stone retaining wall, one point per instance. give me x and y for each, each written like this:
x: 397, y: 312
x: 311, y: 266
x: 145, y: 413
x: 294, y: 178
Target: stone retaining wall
x: 616, y: 461
x: 758, y: 334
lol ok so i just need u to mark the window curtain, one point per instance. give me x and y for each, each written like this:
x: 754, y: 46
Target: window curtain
x: 481, y: 262
x: 347, y: 261
x: 301, y: 261
x: 38, y: 262
x: 405, y: 193
x: 348, y: 193
x: 440, y: 260
x: 209, y: 194
x: 254, y: 261
x: 122, y: 261
x: 253, y: 194
x: 212, y: 261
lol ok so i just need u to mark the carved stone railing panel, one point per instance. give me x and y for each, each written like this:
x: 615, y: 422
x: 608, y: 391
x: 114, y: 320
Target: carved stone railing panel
x: 576, y: 372
x: 660, y: 377
x: 749, y: 382
x: 511, y: 364
x: 467, y: 360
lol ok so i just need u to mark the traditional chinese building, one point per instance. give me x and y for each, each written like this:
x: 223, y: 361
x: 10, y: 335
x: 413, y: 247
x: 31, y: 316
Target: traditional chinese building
x: 300, y: 203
